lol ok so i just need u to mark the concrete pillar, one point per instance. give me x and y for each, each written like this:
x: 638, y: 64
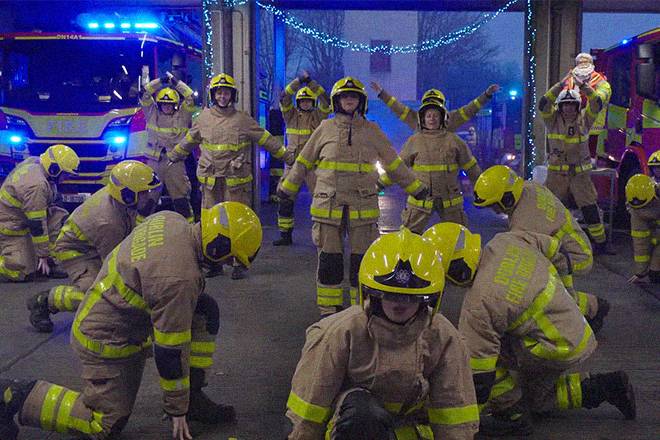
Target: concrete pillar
x: 558, y: 39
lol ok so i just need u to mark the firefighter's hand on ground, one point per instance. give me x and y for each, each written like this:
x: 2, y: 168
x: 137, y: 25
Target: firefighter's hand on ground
x: 375, y: 85
x: 43, y: 266
x: 304, y: 77
x: 492, y: 89
x: 422, y: 194
x: 180, y: 430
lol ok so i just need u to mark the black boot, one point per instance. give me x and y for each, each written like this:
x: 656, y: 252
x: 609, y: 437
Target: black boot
x: 511, y: 421
x: 56, y: 272
x: 614, y: 388
x: 238, y: 272
x: 201, y: 407
x: 39, y: 313
x: 603, y: 248
x: 12, y: 396
x: 285, y: 239
x: 596, y: 322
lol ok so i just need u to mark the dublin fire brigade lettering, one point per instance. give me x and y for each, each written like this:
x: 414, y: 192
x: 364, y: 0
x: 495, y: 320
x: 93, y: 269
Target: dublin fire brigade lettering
x: 545, y: 203
x: 515, y: 271
x: 148, y: 236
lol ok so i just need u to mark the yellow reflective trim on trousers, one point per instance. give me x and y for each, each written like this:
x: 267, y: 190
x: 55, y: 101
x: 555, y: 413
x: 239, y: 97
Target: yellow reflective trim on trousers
x: 568, y: 139
x: 470, y: 163
x: 172, y: 339
x: 279, y: 153
x: 277, y: 172
x: 329, y: 296
x: 4, y: 195
x: 175, y: 384
x: 596, y: 229
x: 562, y: 393
x: 201, y: 361
x: 224, y: 147
x: 393, y: 407
x: 48, y: 407
x: 235, y: 181
x: 364, y: 214
x: 264, y: 137
x: 654, y: 241
x: 391, y: 101
x: 353, y: 293
x: 285, y: 223
x: 577, y: 168
x: 326, y: 213
x: 171, y: 130
x: 452, y: 202
x: 13, y: 233
x: 207, y: 180
x: 575, y: 387
x: 426, y: 203
x: 67, y: 255
x: 202, y: 347
x: 346, y: 166
x: 404, y: 114
x: 504, y: 383
x: 299, y: 131
x: 410, y: 189
x: 62, y: 423
x: 34, y: 215
x: 89, y: 427
x: 642, y: 258
x: 9, y: 273
x: 432, y: 168
x: 307, y: 411
x: 483, y: 364
x: 392, y: 166
x: 307, y: 164
x: 582, y: 302
x: 405, y: 433
x: 288, y: 185
x: 454, y: 416
x: 40, y: 239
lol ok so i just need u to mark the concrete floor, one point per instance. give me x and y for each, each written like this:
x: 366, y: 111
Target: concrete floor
x: 263, y: 327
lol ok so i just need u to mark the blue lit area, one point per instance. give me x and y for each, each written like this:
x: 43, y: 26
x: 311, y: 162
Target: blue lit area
x: 116, y: 140
x: 104, y: 22
x: 513, y: 94
x: 15, y: 138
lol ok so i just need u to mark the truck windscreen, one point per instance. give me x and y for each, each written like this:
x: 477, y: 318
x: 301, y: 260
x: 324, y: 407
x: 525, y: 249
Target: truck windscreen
x: 66, y: 75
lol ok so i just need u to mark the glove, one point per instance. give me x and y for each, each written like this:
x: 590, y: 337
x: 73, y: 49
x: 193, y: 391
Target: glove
x: 361, y: 416
x: 282, y: 195
x: 289, y: 158
x: 422, y: 194
x: 304, y: 77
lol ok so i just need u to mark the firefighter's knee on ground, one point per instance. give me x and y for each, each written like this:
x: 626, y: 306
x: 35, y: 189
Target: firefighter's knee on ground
x: 331, y: 268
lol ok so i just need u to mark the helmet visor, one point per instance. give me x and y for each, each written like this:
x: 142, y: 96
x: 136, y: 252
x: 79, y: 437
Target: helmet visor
x: 397, y: 297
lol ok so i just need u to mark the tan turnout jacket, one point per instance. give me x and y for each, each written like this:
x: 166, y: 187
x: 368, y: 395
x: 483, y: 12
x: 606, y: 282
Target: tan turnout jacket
x: 645, y: 232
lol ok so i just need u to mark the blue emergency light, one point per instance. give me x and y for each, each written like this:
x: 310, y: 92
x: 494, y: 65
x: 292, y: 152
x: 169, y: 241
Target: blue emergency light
x: 513, y: 93
x: 15, y: 139
x: 93, y: 25
x: 109, y: 25
x: 146, y: 25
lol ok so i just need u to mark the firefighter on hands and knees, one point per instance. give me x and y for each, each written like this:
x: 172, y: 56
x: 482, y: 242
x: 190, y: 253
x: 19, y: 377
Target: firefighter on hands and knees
x: 343, y: 152
x: 151, y: 284
x: 225, y: 136
x: 30, y: 220
x: 311, y: 107
x: 91, y: 232
x: 644, y: 209
x: 168, y: 120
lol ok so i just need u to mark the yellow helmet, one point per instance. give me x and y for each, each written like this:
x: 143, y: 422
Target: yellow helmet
x: 58, y: 158
x: 640, y: 190
x: 432, y: 103
x: 498, y: 184
x: 348, y: 84
x: 223, y: 80
x: 231, y: 229
x: 654, y: 159
x: 129, y: 178
x: 305, y: 93
x: 434, y: 94
x: 459, y: 249
x: 402, y: 266
x: 168, y: 96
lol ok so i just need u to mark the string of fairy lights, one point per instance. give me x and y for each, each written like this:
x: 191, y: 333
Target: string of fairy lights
x: 530, y: 148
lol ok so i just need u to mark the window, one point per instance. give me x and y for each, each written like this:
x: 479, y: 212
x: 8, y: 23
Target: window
x: 378, y: 61
x: 620, y: 80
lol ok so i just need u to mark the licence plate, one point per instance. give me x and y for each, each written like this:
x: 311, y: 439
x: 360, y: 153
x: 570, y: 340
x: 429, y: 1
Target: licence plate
x: 75, y: 198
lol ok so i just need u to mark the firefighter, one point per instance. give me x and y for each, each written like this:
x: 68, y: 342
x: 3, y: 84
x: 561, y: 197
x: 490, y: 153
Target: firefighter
x: 29, y: 217
x: 150, y: 284
x: 569, y: 161
x: 168, y: 121
x: 532, y: 207
x: 455, y: 119
x: 391, y: 367
x: 644, y: 209
x: 584, y: 72
x: 436, y: 156
x: 300, y: 121
x: 91, y: 232
x: 225, y: 136
x: 654, y: 165
x: 524, y: 332
x: 343, y: 152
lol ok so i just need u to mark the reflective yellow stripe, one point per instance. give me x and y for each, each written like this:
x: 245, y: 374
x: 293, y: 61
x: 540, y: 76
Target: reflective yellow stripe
x: 461, y: 111
x: 596, y: 229
x: 364, y: 214
x: 405, y: 433
x: 202, y: 347
x: 346, y: 166
x: 290, y: 186
x: 654, y: 241
x: 11, y: 274
x: 452, y: 202
x: 353, y: 293
x: 385, y: 180
x: 410, y: 189
x: 575, y: 386
x: 551, y: 96
x: 286, y: 108
x: 568, y: 139
x: 642, y: 258
x: 472, y: 162
x: 391, y: 167
x: 48, y: 407
x: 299, y: 131
x: 13, y: 233
x: 391, y: 101
x: 540, y: 302
x: 324, y: 109
x: 553, y: 247
x: 567, y: 280
x: 640, y: 234
x: 277, y: 172
x: 71, y: 226
x: 545, y: 115
x: 235, y: 181
x: 483, y: 364
x: 326, y: 213
x: 562, y: 393
x: 67, y: 255
x: 504, y: 383
x: 39, y: 239
x: 172, y: 338
x: 264, y: 137
x: 223, y: 147
x: 38, y: 214
x: 307, y: 411
x: 279, y: 153
x: 454, y: 416
x: 582, y: 302
x: 64, y: 413
x: 307, y: 164
x: 426, y: 204
x: 201, y: 361
x: 431, y: 168
x: 289, y: 90
x: 210, y: 181
x: 590, y: 112
x: 285, y: 223
x: 567, y: 228
x: 171, y: 130
x: 404, y: 114
x: 175, y: 384
x: 4, y: 195
x: 329, y: 296
x: 476, y: 103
